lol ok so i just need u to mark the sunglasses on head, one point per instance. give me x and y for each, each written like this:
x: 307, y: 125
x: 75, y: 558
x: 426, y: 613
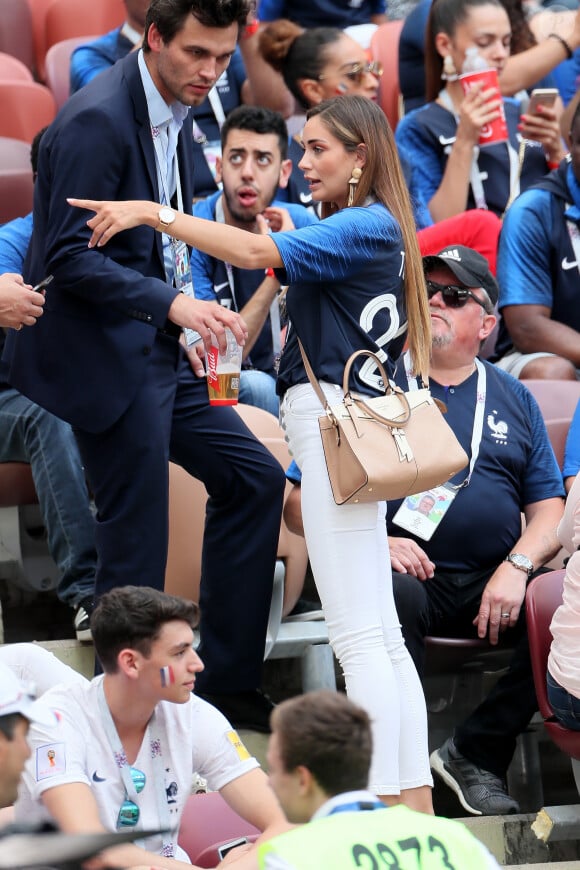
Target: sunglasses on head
x: 454, y: 296
x: 355, y: 72
x: 129, y: 812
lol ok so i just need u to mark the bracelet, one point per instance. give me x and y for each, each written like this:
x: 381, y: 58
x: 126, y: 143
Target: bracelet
x: 251, y: 28
x: 563, y: 42
x: 269, y: 272
x: 553, y: 164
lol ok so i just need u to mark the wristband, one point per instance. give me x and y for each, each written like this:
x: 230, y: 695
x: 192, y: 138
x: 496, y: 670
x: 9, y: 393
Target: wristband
x: 251, y: 28
x: 563, y: 42
x: 553, y: 164
x: 269, y: 272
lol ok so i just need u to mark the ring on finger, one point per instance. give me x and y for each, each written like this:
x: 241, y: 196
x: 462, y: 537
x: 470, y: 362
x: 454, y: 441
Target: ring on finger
x: 505, y: 615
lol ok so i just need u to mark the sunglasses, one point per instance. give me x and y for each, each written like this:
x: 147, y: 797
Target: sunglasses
x: 129, y: 812
x: 357, y: 71
x: 454, y: 296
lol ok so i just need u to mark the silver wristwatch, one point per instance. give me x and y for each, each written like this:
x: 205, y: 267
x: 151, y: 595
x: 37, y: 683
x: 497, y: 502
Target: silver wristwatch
x: 166, y: 217
x: 522, y: 563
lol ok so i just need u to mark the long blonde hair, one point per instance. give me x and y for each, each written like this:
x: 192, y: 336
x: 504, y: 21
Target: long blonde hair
x: 354, y: 120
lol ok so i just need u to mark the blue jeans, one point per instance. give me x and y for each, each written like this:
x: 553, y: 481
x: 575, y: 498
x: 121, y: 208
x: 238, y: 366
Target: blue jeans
x: 566, y: 707
x: 259, y: 389
x: 30, y: 434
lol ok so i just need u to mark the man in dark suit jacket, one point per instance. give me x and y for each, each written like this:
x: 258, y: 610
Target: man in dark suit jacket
x: 108, y: 358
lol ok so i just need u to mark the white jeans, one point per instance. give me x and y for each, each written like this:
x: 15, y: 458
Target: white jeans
x: 349, y: 555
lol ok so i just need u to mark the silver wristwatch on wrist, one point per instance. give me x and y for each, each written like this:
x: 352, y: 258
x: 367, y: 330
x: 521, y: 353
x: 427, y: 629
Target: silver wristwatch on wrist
x: 522, y: 563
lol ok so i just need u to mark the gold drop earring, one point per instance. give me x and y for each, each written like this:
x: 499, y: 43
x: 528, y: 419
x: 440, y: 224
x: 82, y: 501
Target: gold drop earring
x: 352, y: 183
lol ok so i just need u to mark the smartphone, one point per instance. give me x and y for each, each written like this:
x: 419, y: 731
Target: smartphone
x: 541, y: 97
x: 43, y: 284
x: 227, y: 847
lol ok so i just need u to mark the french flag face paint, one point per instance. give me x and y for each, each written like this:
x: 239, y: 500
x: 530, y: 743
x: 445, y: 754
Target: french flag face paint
x: 167, y: 678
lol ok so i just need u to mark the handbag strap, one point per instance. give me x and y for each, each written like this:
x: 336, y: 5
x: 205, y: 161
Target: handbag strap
x: 312, y: 378
x: 356, y: 399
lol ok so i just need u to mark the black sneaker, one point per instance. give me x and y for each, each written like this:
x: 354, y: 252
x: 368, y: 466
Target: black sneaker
x: 480, y: 792
x: 249, y: 710
x: 82, y: 620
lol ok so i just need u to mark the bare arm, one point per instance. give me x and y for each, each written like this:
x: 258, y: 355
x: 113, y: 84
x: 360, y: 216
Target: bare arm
x: 524, y: 69
x: 264, y: 86
x: 506, y: 588
x: 256, y: 310
x: 263, y: 811
x: 238, y: 247
x: 74, y: 809
x: 531, y: 330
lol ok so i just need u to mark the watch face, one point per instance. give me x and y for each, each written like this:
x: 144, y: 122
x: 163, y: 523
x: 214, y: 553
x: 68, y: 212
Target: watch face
x: 166, y: 215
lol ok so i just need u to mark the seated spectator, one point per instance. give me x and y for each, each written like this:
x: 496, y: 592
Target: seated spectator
x: 318, y: 760
x: 324, y: 13
x: 538, y: 268
x: 30, y: 434
x: 535, y: 61
x: 562, y: 677
x: 128, y: 742
x: 572, y: 451
x: 17, y: 710
x: 254, y: 143
x: 441, y: 139
x: 477, y: 561
x: 89, y: 60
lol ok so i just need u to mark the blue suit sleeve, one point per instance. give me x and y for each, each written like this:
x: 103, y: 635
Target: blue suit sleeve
x: 523, y: 267
x: 99, y: 172
x: 572, y: 451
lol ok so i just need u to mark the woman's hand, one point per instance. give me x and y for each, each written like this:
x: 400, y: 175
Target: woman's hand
x: 544, y: 127
x: 114, y: 217
x: 275, y: 220
x: 478, y: 108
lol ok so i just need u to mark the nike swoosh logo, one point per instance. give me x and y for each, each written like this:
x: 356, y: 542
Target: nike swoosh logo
x: 566, y: 265
x: 443, y: 140
x: 305, y: 197
x: 97, y: 778
x: 218, y: 287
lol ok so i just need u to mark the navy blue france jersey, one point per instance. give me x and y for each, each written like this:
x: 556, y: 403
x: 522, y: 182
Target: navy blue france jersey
x: 346, y: 293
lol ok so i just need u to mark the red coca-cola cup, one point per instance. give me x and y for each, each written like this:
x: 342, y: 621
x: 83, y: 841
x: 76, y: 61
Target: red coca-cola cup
x: 497, y: 131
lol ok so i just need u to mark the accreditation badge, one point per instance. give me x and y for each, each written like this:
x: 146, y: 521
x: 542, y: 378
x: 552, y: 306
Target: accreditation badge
x: 421, y: 513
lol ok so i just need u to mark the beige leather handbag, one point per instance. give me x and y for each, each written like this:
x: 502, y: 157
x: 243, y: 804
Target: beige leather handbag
x: 386, y: 447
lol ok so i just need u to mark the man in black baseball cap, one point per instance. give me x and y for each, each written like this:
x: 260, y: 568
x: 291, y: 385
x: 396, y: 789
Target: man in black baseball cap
x: 469, y: 267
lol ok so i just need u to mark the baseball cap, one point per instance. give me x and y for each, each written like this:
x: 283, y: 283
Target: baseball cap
x: 468, y: 266
x: 16, y: 697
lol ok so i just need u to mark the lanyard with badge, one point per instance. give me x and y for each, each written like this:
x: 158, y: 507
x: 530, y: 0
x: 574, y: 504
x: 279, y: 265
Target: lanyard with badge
x: 134, y: 780
x: 178, y: 270
x: 422, y: 513
x: 212, y: 149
